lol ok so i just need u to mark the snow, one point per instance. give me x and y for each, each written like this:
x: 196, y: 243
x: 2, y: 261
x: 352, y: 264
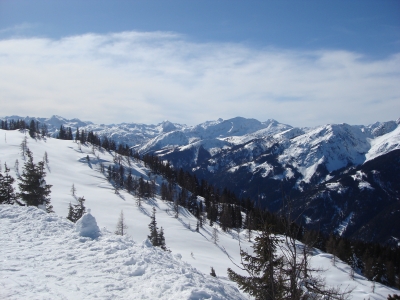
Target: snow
x: 343, y: 225
x: 335, y: 146
x: 87, y: 226
x: 384, y: 144
x: 360, y: 176
x: 364, y: 185
x: 336, y: 186
x: 44, y: 257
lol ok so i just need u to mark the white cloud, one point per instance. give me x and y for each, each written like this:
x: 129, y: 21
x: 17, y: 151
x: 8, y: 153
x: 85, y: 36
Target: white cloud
x: 151, y: 76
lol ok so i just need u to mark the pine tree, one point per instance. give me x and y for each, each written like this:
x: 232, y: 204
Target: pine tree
x: 7, y: 194
x: 61, y: 133
x: 71, y: 213
x: 192, y: 204
x: 262, y: 282
x: 24, y: 147
x: 69, y: 134
x: 80, y: 208
x: 161, y: 240
x: 129, y: 182
x: 75, y: 212
x: 33, y: 188
x: 32, y: 128
x: 153, y: 236
x: 44, y: 131
x: 121, y: 225
x: 77, y: 135
x: 212, y: 273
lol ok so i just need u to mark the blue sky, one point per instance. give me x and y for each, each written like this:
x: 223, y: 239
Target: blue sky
x: 304, y: 63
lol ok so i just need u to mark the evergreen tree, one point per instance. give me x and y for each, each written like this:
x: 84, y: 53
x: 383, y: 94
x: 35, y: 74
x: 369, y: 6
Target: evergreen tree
x: 80, y: 208
x: 192, y: 204
x: 44, y: 131
x: 212, y: 273
x: 33, y: 188
x: 161, y: 240
x: 164, y: 191
x: 62, y: 133
x: 71, y: 213
x: 142, y: 188
x: 153, y: 236
x: 75, y: 212
x: 262, y: 282
x: 69, y: 134
x: 77, y: 135
x: 156, y: 236
x: 24, y: 147
x: 32, y: 128
x: 7, y: 194
x: 129, y: 182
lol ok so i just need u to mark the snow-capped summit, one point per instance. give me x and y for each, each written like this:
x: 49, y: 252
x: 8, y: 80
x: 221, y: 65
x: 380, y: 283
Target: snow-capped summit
x: 167, y: 126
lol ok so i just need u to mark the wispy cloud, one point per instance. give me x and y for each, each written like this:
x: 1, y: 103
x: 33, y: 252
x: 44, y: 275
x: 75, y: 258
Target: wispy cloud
x: 151, y: 76
x: 17, y: 29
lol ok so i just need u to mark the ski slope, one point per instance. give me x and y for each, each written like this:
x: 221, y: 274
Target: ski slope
x: 27, y: 241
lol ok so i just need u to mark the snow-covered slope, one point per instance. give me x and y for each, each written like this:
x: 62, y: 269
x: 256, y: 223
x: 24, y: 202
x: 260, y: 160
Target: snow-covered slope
x: 43, y: 257
x: 334, y: 146
x: 45, y: 248
x: 384, y: 144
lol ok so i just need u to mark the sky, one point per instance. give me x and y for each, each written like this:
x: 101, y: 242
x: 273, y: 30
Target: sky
x: 303, y: 63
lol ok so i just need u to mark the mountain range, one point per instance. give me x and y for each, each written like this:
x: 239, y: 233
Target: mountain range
x: 45, y: 256
x: 335, y: 178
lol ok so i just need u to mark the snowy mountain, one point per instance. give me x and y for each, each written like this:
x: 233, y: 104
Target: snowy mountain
x: 260, y: 160
x: 45, y: 256
x: 360, y: 202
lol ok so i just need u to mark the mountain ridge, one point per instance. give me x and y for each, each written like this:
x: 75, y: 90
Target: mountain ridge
x: 260, y: 160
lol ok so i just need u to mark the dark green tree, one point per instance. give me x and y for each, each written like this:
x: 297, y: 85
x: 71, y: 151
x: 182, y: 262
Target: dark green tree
x: 161, y: 239
x: 32, y: 128
x: 33, y: 188
x: 156, y: 236
x: 62, y: 133
x: 153, y: 236
x: 7, y: 194
x: 129, y: 182
x: 75, y: 212
x: 262, y: 265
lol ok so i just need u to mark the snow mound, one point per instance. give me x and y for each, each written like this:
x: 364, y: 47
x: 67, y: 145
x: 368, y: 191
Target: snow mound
x: 43, y: 257
x: 87, y: 226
